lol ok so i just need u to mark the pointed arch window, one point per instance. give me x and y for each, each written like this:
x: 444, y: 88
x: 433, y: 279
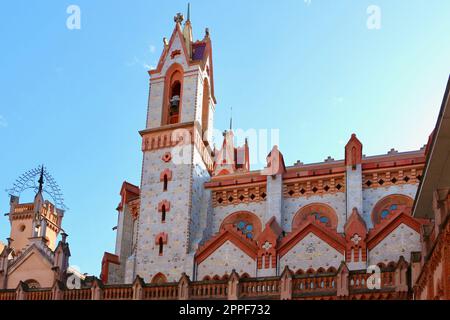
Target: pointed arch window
x: 160, y: 242
x: 161, y: 246
x: 165, y: 177
x: 173, y: 95
x: 174, y: 102
x: 165, y: 181
x: 163, y: 213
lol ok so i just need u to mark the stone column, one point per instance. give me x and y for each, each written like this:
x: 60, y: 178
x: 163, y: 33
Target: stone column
x: 233, y: 286
x: 183, y: 287
x: 274, y: 198
x: 286, y: 284
x: 96, y: 290
x: 342, y: 280
x: 138, y: 288
x: 401, y: 282
x: 353, y: 166
x: 21, y: 291
x: 57, y: 291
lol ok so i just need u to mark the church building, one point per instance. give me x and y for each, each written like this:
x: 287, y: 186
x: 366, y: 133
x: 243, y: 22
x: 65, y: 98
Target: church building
x: 211, y: 215
x: 202, y: 224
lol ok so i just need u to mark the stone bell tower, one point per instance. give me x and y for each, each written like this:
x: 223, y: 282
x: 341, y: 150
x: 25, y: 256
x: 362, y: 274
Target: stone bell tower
x: 174, y: 206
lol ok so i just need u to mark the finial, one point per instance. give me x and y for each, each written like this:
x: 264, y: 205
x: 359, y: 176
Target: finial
x: 41, y: 179
x: 231, y: 118
x: 206, y: 32
x: 64, y: 237
x: 189, y: 12
x: 166, y: 43
x: 178, y: 18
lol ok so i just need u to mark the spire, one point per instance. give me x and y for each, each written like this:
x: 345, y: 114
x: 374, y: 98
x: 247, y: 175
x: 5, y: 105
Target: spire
x: 189, y: 12
x: 231, y: 118
x: 187, y: 32
x: 41, y: 179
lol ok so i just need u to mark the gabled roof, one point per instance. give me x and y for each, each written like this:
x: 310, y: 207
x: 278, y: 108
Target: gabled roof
x: 177, y: 32
x: 201, y: 52
x: 229, y: 158
x: 32, y: 249
x: 388, y: 225
x: 355, y: 224
x: 227, y: 233
x: 127, y: 193
x: 328, y: 235
x: 271, y: 233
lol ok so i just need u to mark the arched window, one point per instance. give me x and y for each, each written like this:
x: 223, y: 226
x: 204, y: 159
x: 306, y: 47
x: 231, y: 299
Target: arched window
x: 174, y: 102
x: 161, y: 246
x: 163, y: 213
x: 159, y: 278
x: 160, y: 241
x: 173, y: 95
x: 320, y: 212
x: 165, y: 182
x: 388, y: 206
x: 33, y: 284
x: 246, y: 222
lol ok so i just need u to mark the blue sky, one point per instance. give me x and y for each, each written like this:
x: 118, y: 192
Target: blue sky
x: 75, y: 99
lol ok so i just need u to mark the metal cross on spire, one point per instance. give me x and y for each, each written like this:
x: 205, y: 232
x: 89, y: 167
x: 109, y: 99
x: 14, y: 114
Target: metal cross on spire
x: 178, y: 18
x: 41, y: 179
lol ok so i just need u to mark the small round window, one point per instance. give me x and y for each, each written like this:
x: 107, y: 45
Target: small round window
x: 22, y: 228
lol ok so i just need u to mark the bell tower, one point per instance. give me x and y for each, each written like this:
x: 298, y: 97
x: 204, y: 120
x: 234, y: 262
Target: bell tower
x: 177, y: 159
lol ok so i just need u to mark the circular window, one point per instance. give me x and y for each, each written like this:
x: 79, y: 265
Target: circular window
x: 22, y: 228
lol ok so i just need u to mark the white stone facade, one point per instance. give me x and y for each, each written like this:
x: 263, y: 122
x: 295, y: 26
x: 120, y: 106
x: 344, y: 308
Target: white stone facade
x: 400, y: 242
x: 226, y: 258
x: 311, y: 253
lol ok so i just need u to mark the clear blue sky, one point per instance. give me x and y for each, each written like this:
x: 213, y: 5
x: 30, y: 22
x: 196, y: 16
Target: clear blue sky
x: 75, y: 99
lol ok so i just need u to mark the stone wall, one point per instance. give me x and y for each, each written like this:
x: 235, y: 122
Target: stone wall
x: 400, y: 242
x: 311, y: 252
